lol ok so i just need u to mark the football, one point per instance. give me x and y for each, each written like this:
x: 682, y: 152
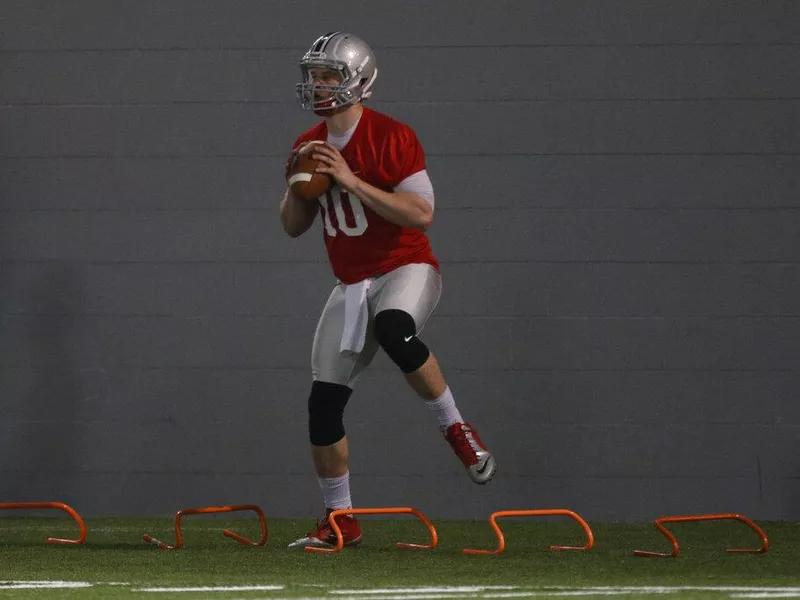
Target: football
x: 304, y: 181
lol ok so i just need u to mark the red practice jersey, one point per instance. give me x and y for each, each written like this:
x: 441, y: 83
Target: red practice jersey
x: 361, y: 243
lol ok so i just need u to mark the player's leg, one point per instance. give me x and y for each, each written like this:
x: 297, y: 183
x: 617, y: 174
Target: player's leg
x: 335, y: 374
x: 403, y: 301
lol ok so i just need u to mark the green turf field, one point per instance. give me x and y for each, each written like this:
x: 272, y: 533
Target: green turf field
x: 115, y: 563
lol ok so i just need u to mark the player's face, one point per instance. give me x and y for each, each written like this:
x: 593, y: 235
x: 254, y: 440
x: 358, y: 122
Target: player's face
x: 324, y: 77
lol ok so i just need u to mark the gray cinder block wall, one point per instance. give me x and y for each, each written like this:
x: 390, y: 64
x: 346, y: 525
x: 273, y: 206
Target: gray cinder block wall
x: 617, y: 220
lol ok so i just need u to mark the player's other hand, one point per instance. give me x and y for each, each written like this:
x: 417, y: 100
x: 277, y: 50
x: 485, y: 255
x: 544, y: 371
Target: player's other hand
x: 333, y: 163
x: 290, y: 158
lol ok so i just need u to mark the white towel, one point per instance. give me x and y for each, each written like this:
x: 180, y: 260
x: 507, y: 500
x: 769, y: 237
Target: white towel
x: 356, y: 316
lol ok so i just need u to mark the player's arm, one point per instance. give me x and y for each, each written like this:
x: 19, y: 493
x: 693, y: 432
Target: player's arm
x: 297, y: 215
x: 405, y: 206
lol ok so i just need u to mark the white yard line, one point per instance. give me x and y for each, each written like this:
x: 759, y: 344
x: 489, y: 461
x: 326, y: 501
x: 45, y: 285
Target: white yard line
x: 221, y: 588
x: 445, y: 592
x: 663, y: 589
x: 767, y: 595
x: 437, y: 592
x: 426, y: 590
x: 43, y: 585
x: 552, y: 594
x: 421, y: 596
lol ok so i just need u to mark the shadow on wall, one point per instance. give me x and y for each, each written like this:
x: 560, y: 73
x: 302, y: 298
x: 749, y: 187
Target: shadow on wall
x: 46, y: 443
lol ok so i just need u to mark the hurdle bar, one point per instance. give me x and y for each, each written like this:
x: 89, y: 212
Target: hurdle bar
x: 213, y: 510
x: 501, y: 540
x: 659, y: 522
x: 378, y: 511
x: 57, y: 505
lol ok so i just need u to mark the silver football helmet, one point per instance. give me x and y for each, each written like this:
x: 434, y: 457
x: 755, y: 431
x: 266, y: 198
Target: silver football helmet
x: 345, y: 53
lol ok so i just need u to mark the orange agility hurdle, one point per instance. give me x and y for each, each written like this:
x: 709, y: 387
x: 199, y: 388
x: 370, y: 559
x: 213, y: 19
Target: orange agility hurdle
x: 211, y: 510
x: 501, y: 540
x: 713, y: 517
x: 378, y: 511
x: 59, y: 505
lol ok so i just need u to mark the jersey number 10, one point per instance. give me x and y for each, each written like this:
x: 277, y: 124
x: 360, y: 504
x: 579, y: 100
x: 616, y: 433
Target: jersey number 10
x: 340, y: 203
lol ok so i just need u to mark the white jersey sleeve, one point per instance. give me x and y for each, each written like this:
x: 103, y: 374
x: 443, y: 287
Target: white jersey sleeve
x: 420, y: 184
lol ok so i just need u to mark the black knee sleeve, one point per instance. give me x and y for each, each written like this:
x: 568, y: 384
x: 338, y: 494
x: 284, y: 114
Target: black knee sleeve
x: 397, y: 334
x: 326, y: 411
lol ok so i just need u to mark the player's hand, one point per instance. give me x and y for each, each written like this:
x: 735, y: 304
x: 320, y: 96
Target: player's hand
x: 333, y: 163
x: 290, y: 158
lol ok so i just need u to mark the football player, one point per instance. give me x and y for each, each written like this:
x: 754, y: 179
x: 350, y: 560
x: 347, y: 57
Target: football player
x: 374, y: 222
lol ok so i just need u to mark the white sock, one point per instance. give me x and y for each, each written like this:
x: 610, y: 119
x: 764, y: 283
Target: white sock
x: 336, y: 491
x: 445, y: 408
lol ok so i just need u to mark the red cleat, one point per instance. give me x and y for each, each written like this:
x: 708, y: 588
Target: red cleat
x: 469, y: 449
x: 323, y: 536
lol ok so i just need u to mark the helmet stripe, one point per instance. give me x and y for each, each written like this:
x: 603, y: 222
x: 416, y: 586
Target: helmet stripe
x: 322, y: 40
x: 328, y: 37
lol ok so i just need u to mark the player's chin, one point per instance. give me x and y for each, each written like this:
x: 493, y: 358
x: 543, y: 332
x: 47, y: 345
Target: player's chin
x: 320, y: 109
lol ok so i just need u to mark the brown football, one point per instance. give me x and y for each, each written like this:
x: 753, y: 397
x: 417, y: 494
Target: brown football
x: 304, y: 181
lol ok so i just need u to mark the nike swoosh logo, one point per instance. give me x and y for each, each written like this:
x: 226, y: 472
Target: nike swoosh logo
x: 408, y: 339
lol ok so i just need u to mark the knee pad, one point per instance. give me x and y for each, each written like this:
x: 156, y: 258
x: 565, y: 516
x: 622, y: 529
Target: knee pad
x: 326, y: 412
x: 397, y: 334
